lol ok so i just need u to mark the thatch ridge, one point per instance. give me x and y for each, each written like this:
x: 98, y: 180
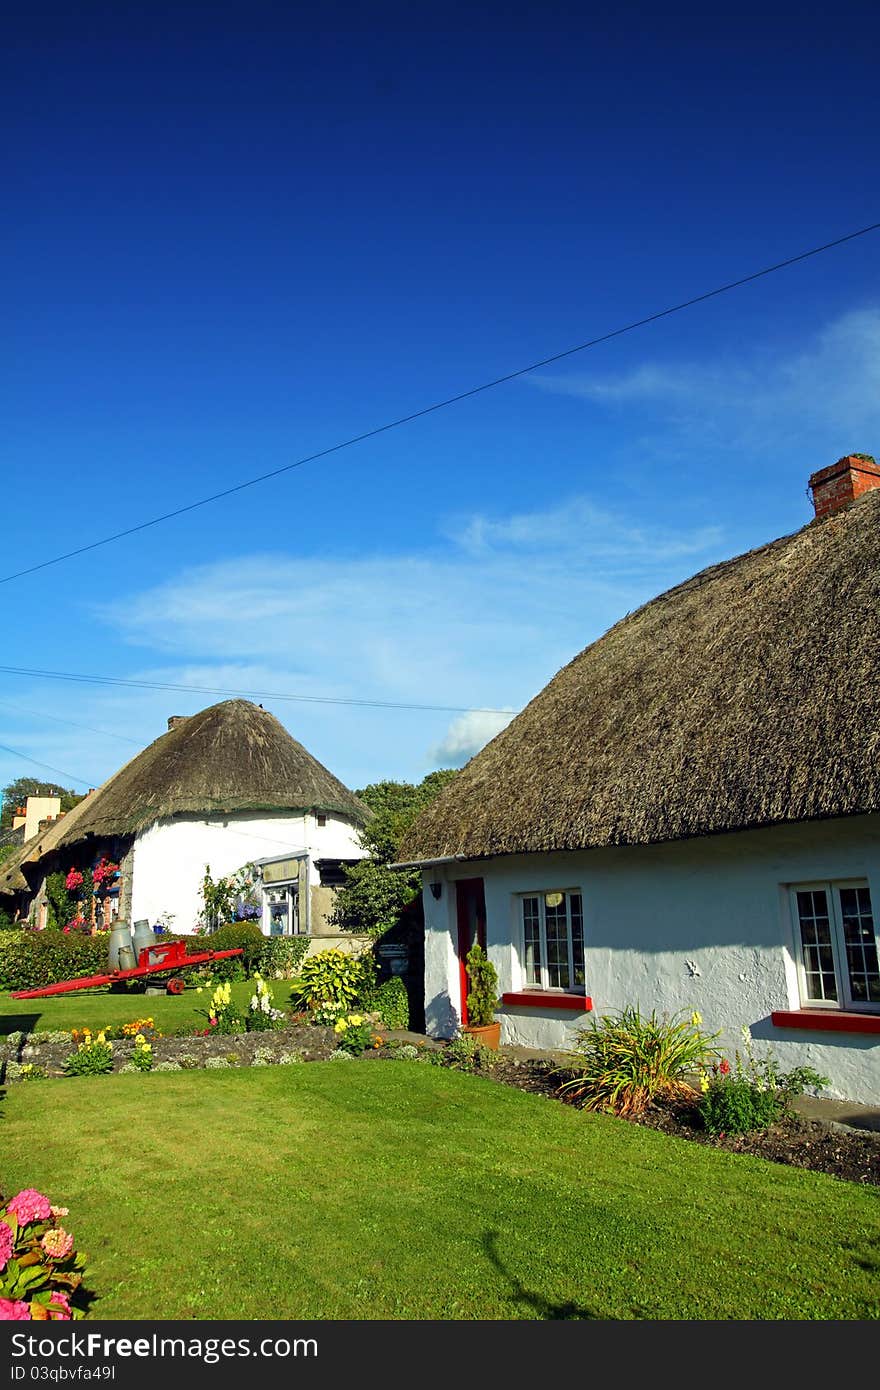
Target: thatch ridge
x: 745, y: 696
x: 233, y: 756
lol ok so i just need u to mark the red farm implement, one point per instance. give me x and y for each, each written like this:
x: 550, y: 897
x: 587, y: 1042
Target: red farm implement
x: 167, y: 958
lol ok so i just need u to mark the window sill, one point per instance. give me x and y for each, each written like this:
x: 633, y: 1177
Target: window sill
x: 826, y: 1020
x: 546, y: 999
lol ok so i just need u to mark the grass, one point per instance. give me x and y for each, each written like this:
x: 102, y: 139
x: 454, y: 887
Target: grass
x: 98, y: 1008
x: 398, y: 1190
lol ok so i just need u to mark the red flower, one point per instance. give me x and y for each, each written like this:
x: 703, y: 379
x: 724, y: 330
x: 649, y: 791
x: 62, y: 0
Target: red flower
x: 724, y: 1068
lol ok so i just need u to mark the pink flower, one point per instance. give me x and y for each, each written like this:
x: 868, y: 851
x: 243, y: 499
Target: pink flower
x: 57, y: 1243
x: 60, y: 1307
x: 14, y: 1310
x: 7, y: 1244
x: 30, y: 1205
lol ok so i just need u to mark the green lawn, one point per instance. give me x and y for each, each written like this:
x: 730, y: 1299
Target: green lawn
x: 98, y: 1008
x: 399, y: 1190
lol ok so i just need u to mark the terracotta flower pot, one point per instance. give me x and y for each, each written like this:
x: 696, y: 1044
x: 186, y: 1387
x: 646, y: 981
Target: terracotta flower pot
x: 489, y: 1034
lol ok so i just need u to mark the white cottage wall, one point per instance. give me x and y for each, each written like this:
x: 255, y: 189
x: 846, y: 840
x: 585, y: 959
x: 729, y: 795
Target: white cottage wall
x: 169, y: 858
x: 700, y: 924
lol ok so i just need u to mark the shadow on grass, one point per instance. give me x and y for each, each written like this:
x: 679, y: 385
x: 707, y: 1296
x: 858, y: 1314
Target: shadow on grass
x: 547, y: 1311
x: 18, y: 1023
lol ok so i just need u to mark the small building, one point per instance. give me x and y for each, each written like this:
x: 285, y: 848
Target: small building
x: 221, y: 789
x: 35, y: 811
x: 688, y: 815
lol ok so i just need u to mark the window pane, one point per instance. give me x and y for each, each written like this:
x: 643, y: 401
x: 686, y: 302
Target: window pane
x: 816, y: 953
x: 577, y: 938
x: 532, y: 940
x: 556, y: 921
x: 861, y: 945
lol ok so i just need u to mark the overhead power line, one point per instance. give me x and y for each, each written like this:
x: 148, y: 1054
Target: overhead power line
x: 442, y: 405
x: 247, y: 694
x: 17, y: 753
x: 90, y: 728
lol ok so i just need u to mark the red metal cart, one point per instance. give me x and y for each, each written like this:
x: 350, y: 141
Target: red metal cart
x: 163, y: 958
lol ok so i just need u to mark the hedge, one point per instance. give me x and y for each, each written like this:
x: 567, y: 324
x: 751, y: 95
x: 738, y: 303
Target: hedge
x: 391, y: 1001
x: 31, y: 959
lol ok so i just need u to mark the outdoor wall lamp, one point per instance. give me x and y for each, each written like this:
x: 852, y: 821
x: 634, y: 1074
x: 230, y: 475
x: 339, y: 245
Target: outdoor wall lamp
x: 436, y: 889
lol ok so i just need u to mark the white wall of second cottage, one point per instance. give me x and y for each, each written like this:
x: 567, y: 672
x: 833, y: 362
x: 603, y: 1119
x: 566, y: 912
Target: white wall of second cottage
x: 699, y: 924
x: 169, y: 858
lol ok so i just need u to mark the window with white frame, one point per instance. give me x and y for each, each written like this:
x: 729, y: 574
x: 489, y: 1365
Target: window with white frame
x: 553, y: 940
x: 837, y: 944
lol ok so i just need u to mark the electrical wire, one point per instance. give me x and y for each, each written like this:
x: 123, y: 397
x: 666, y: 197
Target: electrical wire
x: 442, y: 405
x: 249, y: 694
x: 17, y: 753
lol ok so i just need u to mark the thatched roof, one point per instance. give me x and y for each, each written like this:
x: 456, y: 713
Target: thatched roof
x: 231, y: 757
x: 12, y: 879
x: 746, y: 696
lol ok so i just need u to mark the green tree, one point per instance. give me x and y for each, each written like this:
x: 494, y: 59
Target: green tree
x: 395, y: 806
x: 17, y: 793
x: 373, y: 897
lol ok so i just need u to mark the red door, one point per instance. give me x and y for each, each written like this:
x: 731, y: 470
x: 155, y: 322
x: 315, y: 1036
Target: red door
x: 471, y: 905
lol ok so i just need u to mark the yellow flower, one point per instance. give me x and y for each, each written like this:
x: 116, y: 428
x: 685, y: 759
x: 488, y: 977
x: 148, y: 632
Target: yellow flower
x: 704, y: 1082
x: 696, y: 1018
x: 140, y: 1038
x: 101, y: 1037
x: 199, y: 990
x: 355, y: 1019
x: 340, y: 1026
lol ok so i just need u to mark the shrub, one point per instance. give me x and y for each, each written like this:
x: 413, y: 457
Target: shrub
x: 247, y: 935
x: 753, y: 1093
x: 92, y: 1058
x: 31, y: 959
x: 736, y: 1105
x: 330, y: 982
x: 623, y: 1062
x: 407, y: 1053
x: 390, y: 1001
x: 142, y: 1057
x: 216, y: 1063
x: 482, y: 997
x: 341, y: 1055
x: 262, y: 1014
x: 354, y: 1034
x: 464, y: 1053
x: 40, y: 1269
x: 175, y: 1066
x: 222, y: 1014
x: 24, y: 1071
x: 282, y: 956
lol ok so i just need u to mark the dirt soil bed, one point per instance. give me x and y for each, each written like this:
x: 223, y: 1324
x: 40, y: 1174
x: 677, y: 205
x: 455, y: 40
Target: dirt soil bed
x: 823, y: 1148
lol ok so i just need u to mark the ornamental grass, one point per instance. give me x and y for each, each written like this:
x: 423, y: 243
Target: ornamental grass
x: 623, y: 1062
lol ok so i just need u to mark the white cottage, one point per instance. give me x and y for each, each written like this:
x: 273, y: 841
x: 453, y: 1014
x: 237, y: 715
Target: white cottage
x: 221, y: 789
x: 688, y: 815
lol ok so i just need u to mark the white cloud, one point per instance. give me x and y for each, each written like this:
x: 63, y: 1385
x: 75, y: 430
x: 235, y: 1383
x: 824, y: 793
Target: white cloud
x: 485, y: 622
x: 826, y: 392
x: 467, y: 735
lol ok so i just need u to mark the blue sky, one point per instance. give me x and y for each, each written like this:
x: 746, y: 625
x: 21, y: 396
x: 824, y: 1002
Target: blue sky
x: 237, y: 234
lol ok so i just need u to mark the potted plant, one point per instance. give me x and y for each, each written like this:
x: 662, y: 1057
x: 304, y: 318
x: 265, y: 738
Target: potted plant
x: 482, y: 999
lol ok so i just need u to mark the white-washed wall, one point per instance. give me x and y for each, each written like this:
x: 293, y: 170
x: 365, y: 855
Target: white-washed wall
x: 701, y: 924
x: 170, y: 857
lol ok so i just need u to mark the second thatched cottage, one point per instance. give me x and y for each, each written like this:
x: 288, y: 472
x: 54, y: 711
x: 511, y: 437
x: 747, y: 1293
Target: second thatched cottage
x: 223, y: 789
x: 688, y: 815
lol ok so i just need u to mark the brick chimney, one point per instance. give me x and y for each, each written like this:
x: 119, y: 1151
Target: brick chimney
x: 175, y: 719
x: 836, y: 487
